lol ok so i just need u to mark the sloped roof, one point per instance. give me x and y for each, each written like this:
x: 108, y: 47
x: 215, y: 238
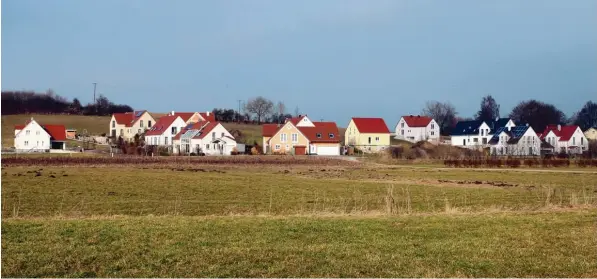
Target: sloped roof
x: 321, y: 132
x: 211, y: 117
x: 193, y: 126
x: 466, y: 127
x: 417, y: 120
x: 515, y: 134
x: 371, y: 125
x: 564, y: 133
x: 206, y: 130
x: 128, y: 118
x: 269, y: 130
x: 56, y: 132
x: 185, y: 116
x: 161, y: 125
x: 497, y: 123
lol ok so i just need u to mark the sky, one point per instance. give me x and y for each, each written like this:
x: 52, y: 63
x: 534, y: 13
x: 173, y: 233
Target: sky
x: 332, y: 59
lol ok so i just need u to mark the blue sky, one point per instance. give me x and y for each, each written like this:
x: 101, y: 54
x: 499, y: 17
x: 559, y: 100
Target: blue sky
x: 333, y: 59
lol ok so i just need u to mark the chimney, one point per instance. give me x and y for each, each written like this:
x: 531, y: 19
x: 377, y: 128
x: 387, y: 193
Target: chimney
x: 527, y: 124
x: 172, y: 113
x: 509, y: 128
x: 207, y: 113
x: 559, y: 127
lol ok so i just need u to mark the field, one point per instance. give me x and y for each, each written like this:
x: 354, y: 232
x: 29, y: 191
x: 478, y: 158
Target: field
x: 309, y: 217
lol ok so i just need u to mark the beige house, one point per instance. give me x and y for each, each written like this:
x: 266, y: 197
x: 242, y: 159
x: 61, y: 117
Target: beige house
x: 591, y: 134
x: 194, y: 117
x: 129, y: 124
x: 301, y: 136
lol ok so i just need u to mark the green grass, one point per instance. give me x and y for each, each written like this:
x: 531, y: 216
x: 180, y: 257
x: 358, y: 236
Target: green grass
x: 490, y: 245
x: 95, y: 125
x: 296, y: 221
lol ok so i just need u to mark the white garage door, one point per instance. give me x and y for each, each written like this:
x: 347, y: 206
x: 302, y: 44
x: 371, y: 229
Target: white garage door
x: 328, y: 150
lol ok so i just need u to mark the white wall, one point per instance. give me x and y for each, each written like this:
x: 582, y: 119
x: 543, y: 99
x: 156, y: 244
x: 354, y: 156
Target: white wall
x: 577, y: 139
x: 166, y: 137
x: 206, y: 144
x: 414, y: 134
x: 474, y: 140
x: 32, y: 137
x: 528, y: 145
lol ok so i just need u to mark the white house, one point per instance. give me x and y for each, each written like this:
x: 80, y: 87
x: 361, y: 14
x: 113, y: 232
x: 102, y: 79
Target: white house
x: 210, y: 138
x: 476, y: 134
x: 417, y: 128
x: 163, y: 132
x: 566, y: 139
x: 515, y: 141
x: 129, y: 124
x: 33, y: 137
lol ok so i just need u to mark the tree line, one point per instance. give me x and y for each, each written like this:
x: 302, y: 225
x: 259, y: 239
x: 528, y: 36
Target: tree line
x: 536, y: 113
x: 256, y: 110
x: 29, y: 102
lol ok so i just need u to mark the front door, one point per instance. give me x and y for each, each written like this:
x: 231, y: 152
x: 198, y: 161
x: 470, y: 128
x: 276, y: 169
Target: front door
x: 312, y: 149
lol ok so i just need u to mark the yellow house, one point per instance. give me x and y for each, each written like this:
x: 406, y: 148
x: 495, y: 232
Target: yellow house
x: 591, y: 134
x: 367, y: 134
x: 129, y: 124
x: 301, y: 136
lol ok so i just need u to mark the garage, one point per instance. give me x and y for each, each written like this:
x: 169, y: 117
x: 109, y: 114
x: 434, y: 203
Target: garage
x: 300, y: 150
x: 328, y: 150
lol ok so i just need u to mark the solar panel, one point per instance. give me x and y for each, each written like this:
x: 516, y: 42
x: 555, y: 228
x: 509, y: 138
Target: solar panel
x: 139, y: 113
x: 189, y: 126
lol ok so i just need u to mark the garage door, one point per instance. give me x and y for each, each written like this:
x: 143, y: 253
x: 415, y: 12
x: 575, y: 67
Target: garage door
x: 328, y: 150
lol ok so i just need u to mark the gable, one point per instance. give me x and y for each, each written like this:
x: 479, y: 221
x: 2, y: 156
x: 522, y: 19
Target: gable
x: 370, y: 125
x: 416, y: 121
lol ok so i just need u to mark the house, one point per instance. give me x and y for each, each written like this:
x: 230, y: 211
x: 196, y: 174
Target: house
x: 267, y: 132
x: 367, y: 134
x: 209, y: 138
x: 129, y: 124
x: 194, y: 117
x: 515, y: 141
x: 417, y: 128
x: 71, y: 133
x: 566, y: 139
x: 35, y: 137
x: 164, y: 130
x: 300, y: 136
x: 591, y: 134
x: 476, y: 134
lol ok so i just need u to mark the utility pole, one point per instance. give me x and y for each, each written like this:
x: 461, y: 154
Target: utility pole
x: 94, y: 86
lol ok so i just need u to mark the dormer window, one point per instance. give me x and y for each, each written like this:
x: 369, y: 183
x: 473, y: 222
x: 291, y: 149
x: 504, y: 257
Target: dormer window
x: 318, y: 135
x: 331, y: 135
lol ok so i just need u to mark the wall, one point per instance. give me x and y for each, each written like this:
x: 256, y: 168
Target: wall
x: 287, y: 146
x: 414, y: 134
x: 161, y: 139
x: 38, y: 138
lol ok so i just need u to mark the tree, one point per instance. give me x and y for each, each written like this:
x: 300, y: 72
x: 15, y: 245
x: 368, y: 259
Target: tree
x: 296, y: 111
x: 537, y: 114
x: 587, y: 116
x: 260, y: 107
x: 489, y: 111
x: 75, y: 107
x: 443, y: 113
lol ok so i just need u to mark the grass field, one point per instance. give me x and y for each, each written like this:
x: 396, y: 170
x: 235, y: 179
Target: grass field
x: 365, y: 220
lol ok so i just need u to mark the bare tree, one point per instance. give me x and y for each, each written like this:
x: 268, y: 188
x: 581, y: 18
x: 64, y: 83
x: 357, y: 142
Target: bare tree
x: 296, y: 111
x: 443, y: 113
x: 260, y: 107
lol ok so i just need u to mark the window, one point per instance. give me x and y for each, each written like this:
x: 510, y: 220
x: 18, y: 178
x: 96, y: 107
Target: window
x: 432, y: 133
x: 213, y: 135
x: 27, y: 132
x: 139, y: 131
x: 26, y: 143
x: 475, y: 140
x: 402, y: 132
x: 294, y: 138
x: 376, y: 138
x: 402, y: 124
x: 277, y: 147
x: 573, y: 140
x: 582, y: 141
x: 331, y: 135
x: 207, y: 146
x: 166, y: 140
x: 113, y: 123
x: 37, y: 133
x: 463, y: 141
x: 141, y: 123
x: 305, y: 119
x: 484, y: 140
x: 369, y: 140
x: 318, y: 135
x: 287, y: 147
x: 173, y: 130
x: 121, y: 132
x: 283, y: 137
x: 432, y: 126
x: 149, y: 123
x: 222, y: 135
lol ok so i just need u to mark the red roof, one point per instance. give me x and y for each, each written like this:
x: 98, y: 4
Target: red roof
x: 194, y: 126
x: 370, y: 125
x: 184, y: 115
x: 128, y: 118
x: 322, y: 132
x: 162, y: 125
x: 56, y: 132
x: 565, y: 132
x: 417, y: 120
x: 207, y: 129
x: 269, y: 130
x: 211, y: 117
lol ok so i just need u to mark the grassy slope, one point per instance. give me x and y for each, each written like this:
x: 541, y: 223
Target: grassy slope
x: 492, y: 245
